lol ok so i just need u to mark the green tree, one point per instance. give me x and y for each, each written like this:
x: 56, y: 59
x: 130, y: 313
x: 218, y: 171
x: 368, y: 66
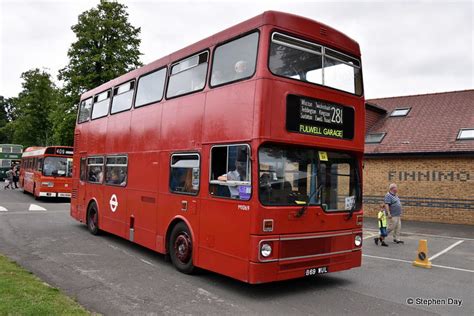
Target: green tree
x: 107, y: 46
x: 32, y: 108
x: 5, y: 105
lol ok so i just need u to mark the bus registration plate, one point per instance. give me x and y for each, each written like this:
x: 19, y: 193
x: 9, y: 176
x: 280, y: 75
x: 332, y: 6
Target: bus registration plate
x: 314, y: 271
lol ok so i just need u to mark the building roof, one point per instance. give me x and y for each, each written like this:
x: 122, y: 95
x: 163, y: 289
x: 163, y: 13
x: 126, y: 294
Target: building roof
x: 432, y: 124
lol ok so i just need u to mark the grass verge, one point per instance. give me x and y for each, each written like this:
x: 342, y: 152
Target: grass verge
x: 22, y: 293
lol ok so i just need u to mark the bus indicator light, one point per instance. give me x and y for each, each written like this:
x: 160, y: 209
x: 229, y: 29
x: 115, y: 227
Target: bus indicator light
x: 268, y: 225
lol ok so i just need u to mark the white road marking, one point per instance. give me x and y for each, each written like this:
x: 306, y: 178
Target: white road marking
x: 79, y: 254
x: 446, y: 250
x: 34, y: 207
x: 31, y: 213
x: 370, y: 236
x: 410, y: 262
x: 427, y: 235
x: 147, y: 262
x: 385, y: 258
x: 3, y: 209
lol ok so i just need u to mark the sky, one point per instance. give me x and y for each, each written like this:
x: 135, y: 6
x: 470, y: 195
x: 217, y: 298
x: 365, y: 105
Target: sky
x: 408, y: 47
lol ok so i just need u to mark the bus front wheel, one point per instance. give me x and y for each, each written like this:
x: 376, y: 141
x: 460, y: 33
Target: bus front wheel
x: 93, y: 219
x: 180, y: 246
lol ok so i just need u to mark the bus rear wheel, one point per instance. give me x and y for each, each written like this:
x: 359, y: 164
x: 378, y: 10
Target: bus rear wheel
x: 93, y: 219
x: 180, y: 246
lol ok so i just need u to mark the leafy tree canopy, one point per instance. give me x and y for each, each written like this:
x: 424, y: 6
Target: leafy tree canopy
x: 106, y: 46
x: 32, y: 108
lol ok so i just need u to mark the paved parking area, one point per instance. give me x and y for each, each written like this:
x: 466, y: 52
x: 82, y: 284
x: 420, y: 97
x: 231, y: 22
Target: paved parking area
x: 113, y: 276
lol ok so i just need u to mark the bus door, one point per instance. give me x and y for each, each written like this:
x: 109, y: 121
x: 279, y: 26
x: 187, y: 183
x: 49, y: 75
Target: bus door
x: 114, y: 208
x: 184, y: 184
x: 81, y: 187
x: 225, y: 219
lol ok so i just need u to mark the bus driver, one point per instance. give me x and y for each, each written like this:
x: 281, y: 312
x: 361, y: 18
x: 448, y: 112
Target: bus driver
x: 239, y: 174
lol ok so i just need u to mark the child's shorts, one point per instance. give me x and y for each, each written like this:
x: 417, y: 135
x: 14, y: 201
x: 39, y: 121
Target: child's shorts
x: 383, y: 231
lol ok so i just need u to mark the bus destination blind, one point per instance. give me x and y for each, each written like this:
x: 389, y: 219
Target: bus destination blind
x: 319, y: 118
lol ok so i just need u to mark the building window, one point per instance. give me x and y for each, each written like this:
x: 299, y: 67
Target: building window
x: 235, y: 60
x: 466, y: 133
x: 116, y: 170
x: 85, y: 111
x: 123, y: 96
x: 184, y: 173
x: 95, y: 169
x: 188, y: 75
x: 230, y: 172
x: 101, y: 105
x: 400, y: 112
x: 374, y: 138
x: 150, y: 88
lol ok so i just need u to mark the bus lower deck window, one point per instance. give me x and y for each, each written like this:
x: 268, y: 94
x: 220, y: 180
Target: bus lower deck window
x: 230, y: 172
x: 184, y: 173
x: 116, y: 170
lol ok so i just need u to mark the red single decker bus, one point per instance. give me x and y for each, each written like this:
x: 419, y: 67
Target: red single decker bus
x: 240, y: 154
x: 47, y: 171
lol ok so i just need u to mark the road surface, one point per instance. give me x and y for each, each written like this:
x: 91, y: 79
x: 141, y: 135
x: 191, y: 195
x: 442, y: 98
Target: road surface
x: 113, y: 276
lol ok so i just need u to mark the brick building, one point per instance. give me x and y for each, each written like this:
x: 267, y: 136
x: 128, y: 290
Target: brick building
x: 425, y: 144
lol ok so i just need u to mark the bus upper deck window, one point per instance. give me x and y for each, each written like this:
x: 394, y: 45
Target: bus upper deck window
x: 235, y: 60
x: 101, y: 105
x: 123, y: 96
x: 150, y: 88
x: 188, y: 75
x: 85, y: 110
x: 303, y: 60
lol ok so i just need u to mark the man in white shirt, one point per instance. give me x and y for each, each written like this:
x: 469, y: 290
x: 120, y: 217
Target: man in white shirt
x: 235, y: 175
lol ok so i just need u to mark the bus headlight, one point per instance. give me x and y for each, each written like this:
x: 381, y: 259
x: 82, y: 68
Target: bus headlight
x: 266, y: 250
x: 358, y: 240
x: 47, y: 184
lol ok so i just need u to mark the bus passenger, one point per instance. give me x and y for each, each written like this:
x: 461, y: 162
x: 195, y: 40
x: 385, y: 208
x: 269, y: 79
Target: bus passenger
x: 241, y: 69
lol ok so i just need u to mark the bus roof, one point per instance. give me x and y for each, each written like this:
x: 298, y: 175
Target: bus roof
x: 39, y: 151
x: 296, y: 24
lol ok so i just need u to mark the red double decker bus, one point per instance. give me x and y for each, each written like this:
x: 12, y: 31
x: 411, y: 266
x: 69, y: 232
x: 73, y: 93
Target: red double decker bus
x: 240, y: 154
x: 47, y: 171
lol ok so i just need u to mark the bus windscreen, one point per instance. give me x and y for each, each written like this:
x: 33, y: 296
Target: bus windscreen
x: 57, y: 167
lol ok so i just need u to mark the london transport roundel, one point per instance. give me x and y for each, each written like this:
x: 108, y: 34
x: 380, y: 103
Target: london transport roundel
x: 113, y: 203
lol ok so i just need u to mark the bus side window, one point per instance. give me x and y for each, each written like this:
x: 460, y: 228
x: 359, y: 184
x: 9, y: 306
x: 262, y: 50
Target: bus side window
x: 230, y: 172
x: 85, y: 111
x: 83, y: 169
x: 95, y: 169
x: 188, y: 75
x: 234, y: 60
x: 101, y: 104
x: 123, y: 96
x: 116, y: 170
x: 150, y: 88
x: 39, y: 165
x: 184, y: 173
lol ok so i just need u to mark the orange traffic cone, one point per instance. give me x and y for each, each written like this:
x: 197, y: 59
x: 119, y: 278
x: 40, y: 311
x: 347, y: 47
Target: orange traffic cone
x: 422, y: 258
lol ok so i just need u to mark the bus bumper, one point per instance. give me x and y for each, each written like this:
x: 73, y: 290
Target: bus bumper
x: 304, y: 255
x: 55, y: 194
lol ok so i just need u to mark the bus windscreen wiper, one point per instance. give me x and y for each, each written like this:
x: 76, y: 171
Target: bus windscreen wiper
x: 305, y: 206
x: 351, y: 211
